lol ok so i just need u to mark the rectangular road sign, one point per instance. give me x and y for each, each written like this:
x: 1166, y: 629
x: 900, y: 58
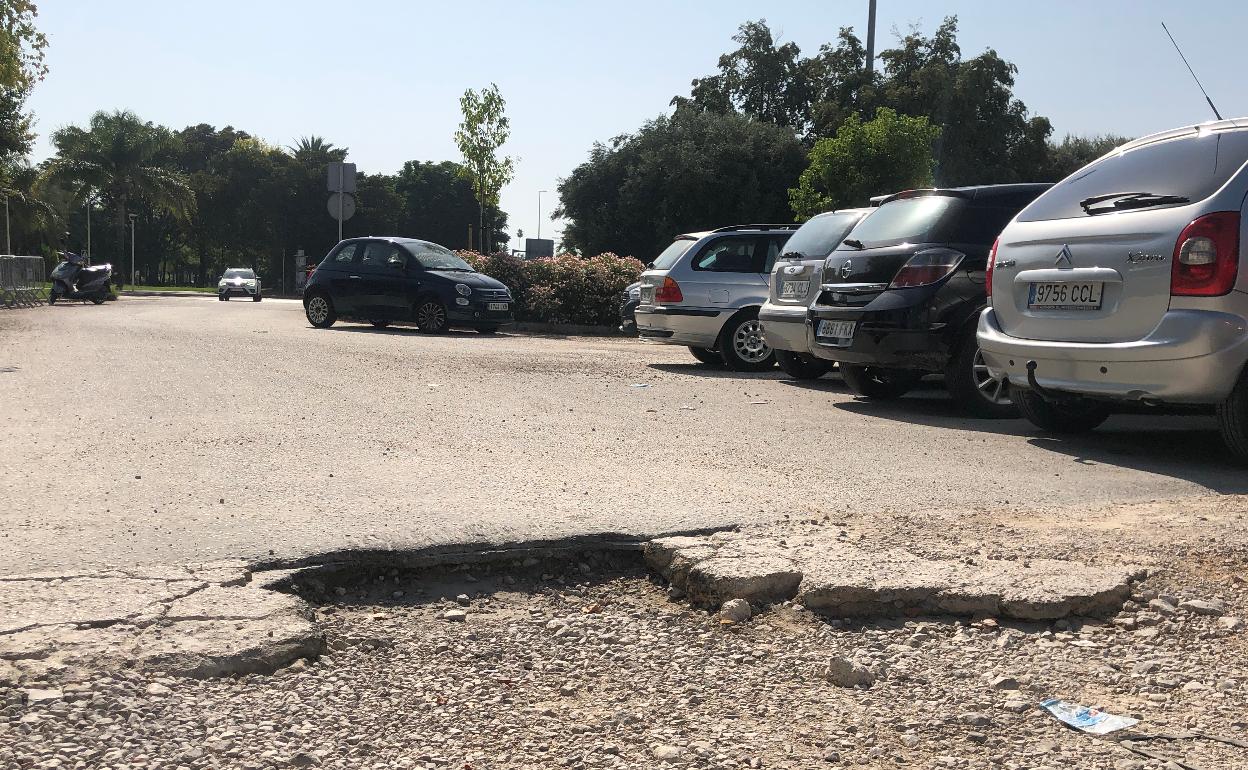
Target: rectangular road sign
x: 341, y: 177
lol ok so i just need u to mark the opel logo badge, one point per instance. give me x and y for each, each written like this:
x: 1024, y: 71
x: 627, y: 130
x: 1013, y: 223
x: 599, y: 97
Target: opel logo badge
x: 847, y: 268
x: 1064, y: 257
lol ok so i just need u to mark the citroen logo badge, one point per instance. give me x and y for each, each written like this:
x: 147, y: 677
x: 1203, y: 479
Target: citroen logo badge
x: 1064, y: 257
x: 847, y: 268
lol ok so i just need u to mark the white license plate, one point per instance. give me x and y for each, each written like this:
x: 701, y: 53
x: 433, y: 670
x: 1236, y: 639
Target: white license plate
x: 794, y: 289
x: 841, y: 330
x: 496, y: 306
x: 1081, y: 295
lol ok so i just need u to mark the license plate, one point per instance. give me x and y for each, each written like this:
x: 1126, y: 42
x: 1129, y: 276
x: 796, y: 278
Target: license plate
x: 1083, y: 295
x: 841, y: 330
x: 794, y: 289
x: 496, y: 306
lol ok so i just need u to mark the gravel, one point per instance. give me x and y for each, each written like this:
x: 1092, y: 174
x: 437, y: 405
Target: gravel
x: 590, y: 664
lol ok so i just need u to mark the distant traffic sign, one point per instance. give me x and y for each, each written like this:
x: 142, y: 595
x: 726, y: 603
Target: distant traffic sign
x: 341, y: 177
x: 346, y: 208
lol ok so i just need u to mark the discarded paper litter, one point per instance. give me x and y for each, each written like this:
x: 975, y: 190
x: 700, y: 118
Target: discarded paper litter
x: 1086, y: 718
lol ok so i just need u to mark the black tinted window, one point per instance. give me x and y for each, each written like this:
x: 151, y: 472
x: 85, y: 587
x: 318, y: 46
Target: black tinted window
x: 728, y: 255
x: 818, y: 237
x: 908, y: 220
x: 1192, y: 167
x: 348, y: 253
x: 377, y: 253
x: 981, y: 224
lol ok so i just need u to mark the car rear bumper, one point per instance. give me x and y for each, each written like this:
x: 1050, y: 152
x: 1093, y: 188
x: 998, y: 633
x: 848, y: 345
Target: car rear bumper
x: 784, y: 327
x: 879, y: 340
x: 1191, y: 357
x: 696, y: 327
x: 475, y: 315
x: 241, y: 291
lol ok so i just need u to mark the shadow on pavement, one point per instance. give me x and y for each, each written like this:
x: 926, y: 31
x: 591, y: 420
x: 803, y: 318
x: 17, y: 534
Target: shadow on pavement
x: 695, y: 369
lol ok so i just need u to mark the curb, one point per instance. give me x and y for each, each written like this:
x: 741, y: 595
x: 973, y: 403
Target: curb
x: 579, y: 330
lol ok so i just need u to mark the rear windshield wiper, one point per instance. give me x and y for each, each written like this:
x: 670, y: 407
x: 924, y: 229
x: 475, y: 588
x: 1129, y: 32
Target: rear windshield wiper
x: 1127, y: 200
x: 792, y: 255
x: 857, y: 244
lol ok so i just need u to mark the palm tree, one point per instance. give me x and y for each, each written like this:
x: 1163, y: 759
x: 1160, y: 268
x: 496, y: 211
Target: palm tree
x: 314, y: 150
x: 117, y: 158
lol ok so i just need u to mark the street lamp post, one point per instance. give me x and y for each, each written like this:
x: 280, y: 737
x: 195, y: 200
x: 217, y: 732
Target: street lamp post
x: 88, y: 206
x: 132, y: 273
x: 539, y: 213
x: 8, y: 247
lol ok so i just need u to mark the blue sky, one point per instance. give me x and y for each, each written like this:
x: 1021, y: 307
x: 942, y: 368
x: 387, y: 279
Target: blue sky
x: 384, y: 78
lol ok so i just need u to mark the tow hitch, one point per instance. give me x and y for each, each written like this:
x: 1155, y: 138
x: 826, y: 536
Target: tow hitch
x: 1047, y: 395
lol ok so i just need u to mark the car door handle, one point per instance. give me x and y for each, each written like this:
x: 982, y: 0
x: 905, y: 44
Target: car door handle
x: 354, y: 277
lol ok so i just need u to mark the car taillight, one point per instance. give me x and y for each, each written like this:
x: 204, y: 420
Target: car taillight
x: 668, y: 292
x: 992, y: 261
x: 926, y: 267
x: 1206, y: 256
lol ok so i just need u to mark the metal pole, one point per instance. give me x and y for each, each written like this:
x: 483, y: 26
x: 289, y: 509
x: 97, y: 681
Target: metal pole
x: 88, y: 229
x: 871, y: 37
x: 132, y: 271
x: 539, y: 213
x: 8, y: 247
x: 341, y: 173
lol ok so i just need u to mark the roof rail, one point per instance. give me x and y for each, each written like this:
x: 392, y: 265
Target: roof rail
x: 733, y: 228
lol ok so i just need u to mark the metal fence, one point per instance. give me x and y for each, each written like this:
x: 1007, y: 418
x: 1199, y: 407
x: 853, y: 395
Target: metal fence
x: 22, y: 281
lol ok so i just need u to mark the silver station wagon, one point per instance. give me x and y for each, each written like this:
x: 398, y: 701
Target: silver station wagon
x: 795, y: 281
x: 1124, y: 283
x: 705, y: 290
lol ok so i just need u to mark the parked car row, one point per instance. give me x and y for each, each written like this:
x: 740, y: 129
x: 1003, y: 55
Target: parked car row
x: 1120, y: 283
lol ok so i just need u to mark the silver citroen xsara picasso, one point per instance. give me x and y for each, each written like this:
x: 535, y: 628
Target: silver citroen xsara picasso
x: 1123, y: 283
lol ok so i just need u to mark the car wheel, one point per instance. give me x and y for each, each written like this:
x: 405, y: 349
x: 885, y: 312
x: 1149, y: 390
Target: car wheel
x: 221, y: 297
x: 743, y: 347
x: 98, y: 299
x: 1233, y: 420
x: 802, y: 367
x: 255, y: 298
x: 320, y: 311
x: 707, y: 356
x: 430, y: 316
x: 225, y: 297
x: 969, y: 383
x: 379, y: 324
x: 879, y: 383
x: 53, y: 297
x: 1067, y: 417
x: 487, y: 329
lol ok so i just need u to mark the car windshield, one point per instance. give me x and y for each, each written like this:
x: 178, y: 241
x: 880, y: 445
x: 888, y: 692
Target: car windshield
x: 431, y: 256
x: 821, y: 235
x: 672, y: 253
x: 907, y: 220
x: 1167, y: 173
x: 239, y: 274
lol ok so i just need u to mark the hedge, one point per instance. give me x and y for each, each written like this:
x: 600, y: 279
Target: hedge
x: 562, y: 289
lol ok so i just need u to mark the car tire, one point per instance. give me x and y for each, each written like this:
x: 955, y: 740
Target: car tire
x: 879, y: 383
x: 707, y: 356
x: 1233, y: 420
x: 742, y: 345
x: 379, y: 324
x: 255, y: 298
x: 319, y: 309
x: 98, y: 299
x: 225, y: 297
x: 430, y: 316
x: 53, y: 297
x: 968, y: 383
x: 221, y: 297
x: 800, y: 366
x: 487, y: 330
x: 1072, y: 417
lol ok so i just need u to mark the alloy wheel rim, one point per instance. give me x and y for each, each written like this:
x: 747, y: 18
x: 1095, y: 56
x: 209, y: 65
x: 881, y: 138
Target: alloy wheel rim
x: 318, y: 310
x: 992, y: 390
x: 431, y: 316
x: 749, y: 343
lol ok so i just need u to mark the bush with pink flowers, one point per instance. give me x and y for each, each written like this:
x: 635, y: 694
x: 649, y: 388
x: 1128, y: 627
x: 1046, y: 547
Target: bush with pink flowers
x: 562, y: 289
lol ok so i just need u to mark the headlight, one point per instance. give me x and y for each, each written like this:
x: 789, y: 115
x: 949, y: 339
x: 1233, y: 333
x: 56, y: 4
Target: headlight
x: 463, y: 288
x: 251, y: 282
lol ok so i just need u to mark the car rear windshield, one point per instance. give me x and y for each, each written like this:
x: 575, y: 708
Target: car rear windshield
x: 821, y: 235
x: 239, y: 274
x: 431, y: 256
x: 1192, y: 167
x: 907, y: 220
x: 672, y: 253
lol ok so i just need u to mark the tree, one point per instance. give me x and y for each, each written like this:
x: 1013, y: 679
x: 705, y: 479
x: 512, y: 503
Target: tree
x: 690, y: 171
x: 116, y: 158
x: 839, y: 83
x: 889, y: 153
x: 21, y: 66
x: 760, y: 79
x: 484, y: 129
x: 439, y: 205
x: 1075, y: 152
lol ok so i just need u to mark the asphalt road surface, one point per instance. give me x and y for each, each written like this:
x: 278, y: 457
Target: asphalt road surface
x: 174, y: 430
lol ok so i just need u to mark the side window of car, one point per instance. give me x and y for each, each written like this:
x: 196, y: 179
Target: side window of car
x: 774, y: 246
x: 377, y: 253
x: 727, y: 255
x: 348, y: 254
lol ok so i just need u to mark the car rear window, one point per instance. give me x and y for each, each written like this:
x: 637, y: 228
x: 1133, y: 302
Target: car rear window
x: 907, y: 220
x: 672, y: 253
x: 1193, y: 167
x: 818, y: 237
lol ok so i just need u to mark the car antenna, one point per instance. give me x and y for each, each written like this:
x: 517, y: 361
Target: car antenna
x: 1189, y: 69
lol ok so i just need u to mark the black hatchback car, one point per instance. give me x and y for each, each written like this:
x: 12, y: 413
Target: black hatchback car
x: 901, y: 296
x: 380, y: 280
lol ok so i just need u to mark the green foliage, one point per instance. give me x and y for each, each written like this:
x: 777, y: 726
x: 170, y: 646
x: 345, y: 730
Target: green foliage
x: 1075, y: 152
x: 888, y: 153
x: 21, y: 67
x: 690, y: 171
x: 564, y: 288
x: 485, y: 128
